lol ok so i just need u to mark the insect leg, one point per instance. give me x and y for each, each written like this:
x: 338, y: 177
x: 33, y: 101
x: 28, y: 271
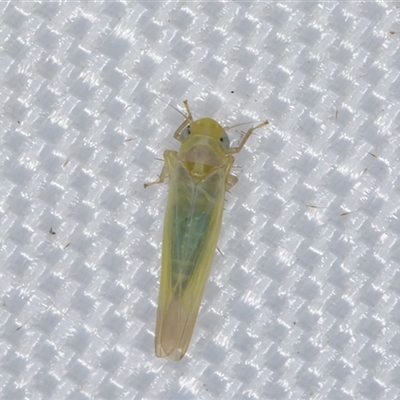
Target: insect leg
x: 243, y: 139
x: 187, y: 121
x: 170, y: 159
x: 231, y: 181
x: 161, y: 177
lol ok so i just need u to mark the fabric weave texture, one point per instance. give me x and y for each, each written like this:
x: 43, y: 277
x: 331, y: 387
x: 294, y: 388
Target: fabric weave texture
x: 303, y: 299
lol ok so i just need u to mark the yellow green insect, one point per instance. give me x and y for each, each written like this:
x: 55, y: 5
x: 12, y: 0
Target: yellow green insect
x: 199, y: 175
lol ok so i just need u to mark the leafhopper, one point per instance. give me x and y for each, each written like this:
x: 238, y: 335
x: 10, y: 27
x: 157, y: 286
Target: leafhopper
x: 199, y: 174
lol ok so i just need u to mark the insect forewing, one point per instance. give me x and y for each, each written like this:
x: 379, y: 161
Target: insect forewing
x: 191, y: 228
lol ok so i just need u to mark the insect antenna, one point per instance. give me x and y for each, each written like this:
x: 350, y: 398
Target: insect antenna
x: 169, y: 104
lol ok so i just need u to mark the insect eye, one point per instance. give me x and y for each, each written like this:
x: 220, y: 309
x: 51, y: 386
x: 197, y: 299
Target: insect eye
x: 224, y: 141
x: 185, y: 133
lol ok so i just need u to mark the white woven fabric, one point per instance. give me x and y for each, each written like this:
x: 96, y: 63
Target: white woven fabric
x: 304, y: 303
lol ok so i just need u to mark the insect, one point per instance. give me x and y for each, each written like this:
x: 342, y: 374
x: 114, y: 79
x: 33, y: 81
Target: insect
x: 199, y: 175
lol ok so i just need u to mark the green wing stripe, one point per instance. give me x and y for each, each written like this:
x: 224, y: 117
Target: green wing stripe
x: 191, y: 222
